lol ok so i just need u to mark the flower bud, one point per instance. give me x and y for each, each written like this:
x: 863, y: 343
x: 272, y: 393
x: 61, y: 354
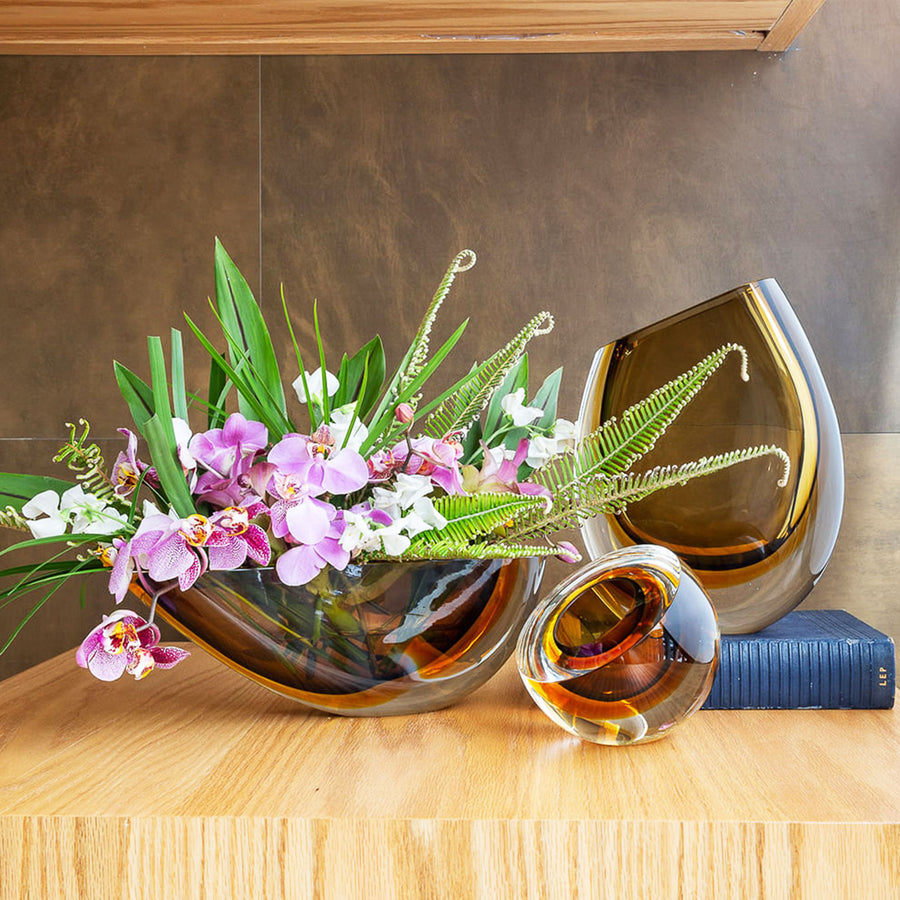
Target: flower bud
x: 404, y: 413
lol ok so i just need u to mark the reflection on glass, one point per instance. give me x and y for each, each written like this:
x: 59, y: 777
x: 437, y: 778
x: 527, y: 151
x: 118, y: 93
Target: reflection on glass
x: 373, y: 640
x: 757, y: 548
x: 623, y: 650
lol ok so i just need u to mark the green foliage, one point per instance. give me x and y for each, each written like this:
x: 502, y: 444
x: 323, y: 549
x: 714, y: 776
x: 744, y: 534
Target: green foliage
x: 248, y: 335
x: 608, y: 494
x: 16, y: 490
x: 617, y: 444
x: 468, y: 400
x: 370, y: 360
x: 87, y: 461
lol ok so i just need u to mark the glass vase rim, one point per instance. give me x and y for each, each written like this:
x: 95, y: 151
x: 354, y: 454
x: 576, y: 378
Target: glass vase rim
x: 648, y: 556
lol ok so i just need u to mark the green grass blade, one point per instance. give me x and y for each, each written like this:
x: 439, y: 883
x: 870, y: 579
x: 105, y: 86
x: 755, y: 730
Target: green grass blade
x: 137, y: 394
x: 179, y: 394
x: 244, y: 319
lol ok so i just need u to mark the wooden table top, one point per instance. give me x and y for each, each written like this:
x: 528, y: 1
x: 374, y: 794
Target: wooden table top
x: 199, y: 740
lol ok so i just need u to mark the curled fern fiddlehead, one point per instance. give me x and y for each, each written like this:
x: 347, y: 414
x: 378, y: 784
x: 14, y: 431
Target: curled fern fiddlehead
x: 87, y: 462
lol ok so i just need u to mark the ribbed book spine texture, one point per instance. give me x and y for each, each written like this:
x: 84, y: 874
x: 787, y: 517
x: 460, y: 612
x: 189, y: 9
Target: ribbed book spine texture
x: 852, y: 671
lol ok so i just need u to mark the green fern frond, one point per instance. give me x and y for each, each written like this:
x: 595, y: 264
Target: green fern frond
x: 418, y: 351
x: 604, y: 495
x: 87, y: 462
x: 472, y: 516
x: 459, y: 410
x: 449, y: 549
x: 617, y: 444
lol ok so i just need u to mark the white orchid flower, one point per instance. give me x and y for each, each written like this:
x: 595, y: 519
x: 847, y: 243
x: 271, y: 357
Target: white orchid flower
x: 314, y: 383
x: 340, y: 423
x: 358, y: 534
x: 46, y: 503
x: 407, y: 490
x: 183, y: 437
x: 86, y: 513
x: 513, y: 405
x: 91, y: 515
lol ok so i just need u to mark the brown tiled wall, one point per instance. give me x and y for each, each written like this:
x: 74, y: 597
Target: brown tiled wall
x: 608, y: 189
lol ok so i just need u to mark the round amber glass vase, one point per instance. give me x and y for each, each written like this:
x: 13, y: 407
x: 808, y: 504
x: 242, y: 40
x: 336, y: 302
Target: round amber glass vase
x: 624, y: 649
x: 373, y: 640
x: 757, y: 548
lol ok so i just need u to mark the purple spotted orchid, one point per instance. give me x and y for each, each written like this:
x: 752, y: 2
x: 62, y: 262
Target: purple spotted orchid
x: 125, y: 642
x: 167, y: 547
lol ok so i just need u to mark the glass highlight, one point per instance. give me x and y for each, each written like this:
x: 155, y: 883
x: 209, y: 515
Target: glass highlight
x: 622, y: 651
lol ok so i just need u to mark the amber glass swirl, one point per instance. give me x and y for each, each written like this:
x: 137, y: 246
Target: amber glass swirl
x: 623, y: 650
x: 757, y: 548
x: 376, y: 639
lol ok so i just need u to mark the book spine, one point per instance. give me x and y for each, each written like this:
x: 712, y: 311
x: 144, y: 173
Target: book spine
x: 819, y: 674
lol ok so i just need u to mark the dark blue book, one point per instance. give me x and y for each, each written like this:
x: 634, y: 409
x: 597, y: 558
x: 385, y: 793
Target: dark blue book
x: 809, y: 659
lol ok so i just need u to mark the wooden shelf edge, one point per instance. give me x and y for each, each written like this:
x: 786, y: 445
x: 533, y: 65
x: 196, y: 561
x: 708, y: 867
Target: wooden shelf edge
x: 172, y: 42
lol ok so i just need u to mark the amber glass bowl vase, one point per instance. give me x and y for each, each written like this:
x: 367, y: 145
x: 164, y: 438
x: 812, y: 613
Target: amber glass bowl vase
x: 623, y: 650
x: 758, y: 548
x: 373, y: 640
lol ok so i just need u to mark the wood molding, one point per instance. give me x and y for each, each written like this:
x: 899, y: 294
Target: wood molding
x: 794, y: 18
x: 408, y: 26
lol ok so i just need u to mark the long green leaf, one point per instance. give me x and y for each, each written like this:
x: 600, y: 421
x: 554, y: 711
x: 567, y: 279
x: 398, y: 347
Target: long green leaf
x: 218, y: 390
x: 179, y: 394
x: 244, y: 388
x: 243, y: 318
x: 259, y: 393
x: 16, y: 490
x: 377, y: 430
x: 137, y: 395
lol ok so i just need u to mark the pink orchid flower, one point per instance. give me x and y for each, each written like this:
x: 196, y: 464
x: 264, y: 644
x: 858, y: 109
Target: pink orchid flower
x: 125, y: 642
x: 500, y: 475
x: 127, y: 469
x: 319, y: 464
x: 228, y: 454
x: 438, y: 459
x: 301, y: 563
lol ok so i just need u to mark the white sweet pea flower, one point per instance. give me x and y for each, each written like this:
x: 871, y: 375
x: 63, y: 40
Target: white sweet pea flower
x: 46, y: 503
x: 407, y: 490
x: 358, y: 534
x: 512, y: 405
x: 393, y: 542
x: 314, y: 383
x: 566, y: 432
x: 340, y: 423
x: 540, y: 449
x: 423, y: 517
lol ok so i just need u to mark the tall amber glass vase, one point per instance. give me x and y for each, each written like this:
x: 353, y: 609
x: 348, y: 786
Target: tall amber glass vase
x: 757, y: 548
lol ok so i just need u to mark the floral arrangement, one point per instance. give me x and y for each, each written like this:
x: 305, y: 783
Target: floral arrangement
x: 376, y: 472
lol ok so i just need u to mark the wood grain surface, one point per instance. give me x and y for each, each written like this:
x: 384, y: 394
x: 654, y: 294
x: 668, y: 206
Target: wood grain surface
x: 197, y: 783
x: 347, y: 26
